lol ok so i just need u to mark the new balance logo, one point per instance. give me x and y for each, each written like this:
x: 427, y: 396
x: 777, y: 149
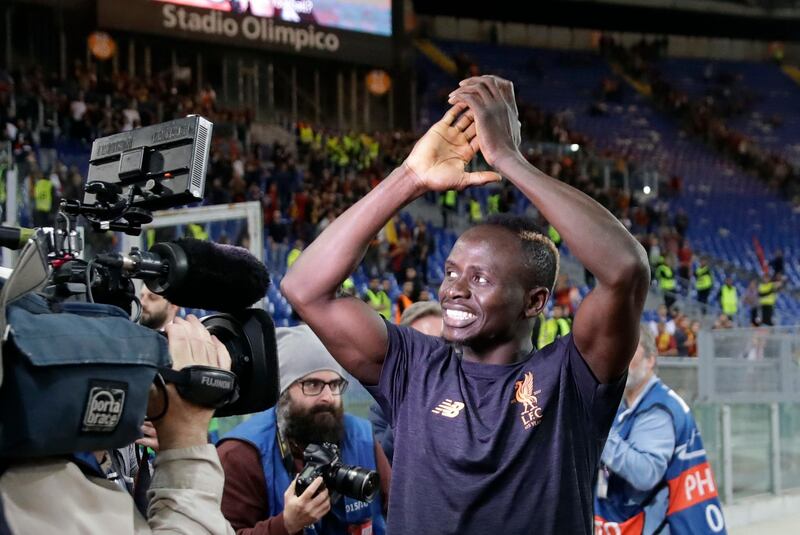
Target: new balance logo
x: 449, y: 408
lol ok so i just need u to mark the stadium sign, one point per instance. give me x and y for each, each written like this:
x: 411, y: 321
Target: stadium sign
x: 244, y: 29
x: 250, y: 27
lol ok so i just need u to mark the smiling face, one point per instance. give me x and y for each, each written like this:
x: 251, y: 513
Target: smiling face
x: 487, y: 307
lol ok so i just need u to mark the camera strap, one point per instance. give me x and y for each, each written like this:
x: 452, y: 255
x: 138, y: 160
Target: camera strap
x: 286, y: 453
x: 203, y: 385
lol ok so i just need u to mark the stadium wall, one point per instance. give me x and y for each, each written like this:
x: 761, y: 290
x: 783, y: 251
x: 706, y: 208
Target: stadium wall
x: 534, y: 35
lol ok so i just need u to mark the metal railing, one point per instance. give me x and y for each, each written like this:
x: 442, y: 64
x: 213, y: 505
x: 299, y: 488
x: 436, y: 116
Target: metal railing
x: 744, y: 389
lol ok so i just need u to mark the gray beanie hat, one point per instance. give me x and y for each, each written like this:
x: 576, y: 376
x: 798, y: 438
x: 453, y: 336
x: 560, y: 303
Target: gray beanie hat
x: 300, y: 352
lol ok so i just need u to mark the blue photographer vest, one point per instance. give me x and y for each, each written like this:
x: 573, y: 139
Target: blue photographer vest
x: 357, y: 448
x: 693, y: 505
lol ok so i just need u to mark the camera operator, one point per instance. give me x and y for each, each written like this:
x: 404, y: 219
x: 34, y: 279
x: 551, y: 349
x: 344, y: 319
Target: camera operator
x: 184, y: 496
x: 121, y: 465
x: 157, y: 311
x: 262, y: 456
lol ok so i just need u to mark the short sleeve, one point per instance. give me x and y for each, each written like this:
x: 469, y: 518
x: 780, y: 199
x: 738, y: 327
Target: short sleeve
x: 406, y: 348
x: 600, y: 401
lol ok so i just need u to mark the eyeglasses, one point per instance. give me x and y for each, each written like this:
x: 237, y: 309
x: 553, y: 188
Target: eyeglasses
x: 314, y: 387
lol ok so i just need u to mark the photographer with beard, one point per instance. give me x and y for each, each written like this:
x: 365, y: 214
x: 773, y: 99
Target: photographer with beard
x: 262, y: 456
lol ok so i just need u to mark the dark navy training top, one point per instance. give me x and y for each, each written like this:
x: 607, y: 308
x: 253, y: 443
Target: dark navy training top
x: 492, y: 449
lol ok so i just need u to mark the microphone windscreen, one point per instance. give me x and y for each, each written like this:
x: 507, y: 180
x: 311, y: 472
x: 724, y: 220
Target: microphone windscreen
x: 219, y: 277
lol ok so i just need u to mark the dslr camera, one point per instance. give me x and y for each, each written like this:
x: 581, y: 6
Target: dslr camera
x: 351, y: 481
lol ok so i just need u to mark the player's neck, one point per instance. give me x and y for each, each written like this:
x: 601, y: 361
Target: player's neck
x: 502, y: 354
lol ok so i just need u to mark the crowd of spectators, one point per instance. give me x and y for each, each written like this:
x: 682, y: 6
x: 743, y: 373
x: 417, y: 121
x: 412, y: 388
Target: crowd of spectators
x: 305, y: 183
x: 302, y: 184
x: 708, y: 116
x: 662, y: 231
x: 87, y: 105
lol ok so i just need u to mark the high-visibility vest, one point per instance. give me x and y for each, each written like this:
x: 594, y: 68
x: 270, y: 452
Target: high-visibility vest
x: 292, y: 257
x: 729, y: 300
x: 702, y: 278
x: 666, y: 279
x: 349, y: 144
x: 767, y: 294
x: 197, y: 231
x: 554, y: 235
x: 493, y: 203
x: 337, y: 152
x: 548, y: 332
x: 475, y: 212
x: 564, y: 326
x: 449, y: 198
x: 3, y: 169
x: 382, y: 301
x: 150, y: 237
x: 373, y: 149
x: 43, y: 192
x: 306, y: 135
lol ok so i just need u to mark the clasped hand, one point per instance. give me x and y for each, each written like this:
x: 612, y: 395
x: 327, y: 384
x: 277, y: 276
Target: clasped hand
x: 484, y: 118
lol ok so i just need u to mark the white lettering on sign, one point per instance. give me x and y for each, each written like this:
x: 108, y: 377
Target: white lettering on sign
x: 251, y: 28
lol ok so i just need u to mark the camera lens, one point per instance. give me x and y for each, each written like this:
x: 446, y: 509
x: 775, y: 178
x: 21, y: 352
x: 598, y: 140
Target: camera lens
x: 249, y: 336
x: 234, y: 342
x: 357, y: 483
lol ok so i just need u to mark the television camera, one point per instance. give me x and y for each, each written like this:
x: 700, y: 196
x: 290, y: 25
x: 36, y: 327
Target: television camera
x: 130, y: 174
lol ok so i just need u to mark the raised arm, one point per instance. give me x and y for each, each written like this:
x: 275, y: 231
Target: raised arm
x: 606, y: 324
x: 353, y: 333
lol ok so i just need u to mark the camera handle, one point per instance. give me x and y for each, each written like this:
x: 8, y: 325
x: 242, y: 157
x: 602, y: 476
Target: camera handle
x: 203, y: 385
x: 105, y: 215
